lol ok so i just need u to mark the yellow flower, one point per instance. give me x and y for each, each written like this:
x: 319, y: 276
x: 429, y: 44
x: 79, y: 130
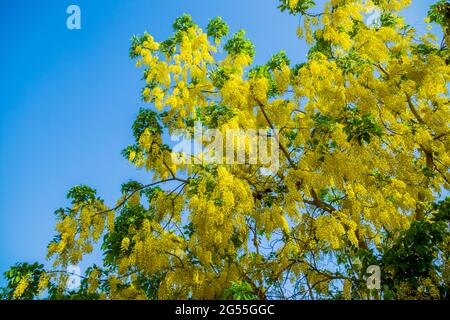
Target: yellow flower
x: 43, y: 282
x: 132, y: 155
x: 125, y: 244
x: 21, y: 287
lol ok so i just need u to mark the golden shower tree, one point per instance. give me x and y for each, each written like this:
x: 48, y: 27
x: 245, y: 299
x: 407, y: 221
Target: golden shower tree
x: 363, y: 137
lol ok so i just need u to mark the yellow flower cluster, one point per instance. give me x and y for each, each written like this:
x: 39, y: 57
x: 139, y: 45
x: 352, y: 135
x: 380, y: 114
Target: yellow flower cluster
x: 21, y: 287
x: 217, y: 213
x: 330, y: 230
x: 78, y: 232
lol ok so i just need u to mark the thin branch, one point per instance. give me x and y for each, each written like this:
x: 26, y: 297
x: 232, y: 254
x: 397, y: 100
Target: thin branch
x: 413, y: 109
x: 137, y: 190
x: 282, y: 147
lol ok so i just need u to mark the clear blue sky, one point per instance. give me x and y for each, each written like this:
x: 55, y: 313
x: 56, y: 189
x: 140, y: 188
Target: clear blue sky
x: 68, y: 98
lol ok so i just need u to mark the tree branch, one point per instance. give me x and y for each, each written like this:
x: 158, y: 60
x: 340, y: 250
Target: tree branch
x: 282, y: 147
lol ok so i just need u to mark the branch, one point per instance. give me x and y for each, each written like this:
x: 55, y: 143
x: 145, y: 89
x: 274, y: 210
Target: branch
x: 413, y: 109
x: 319, y: 203
x: 174, y: 255
x: 84, y: 277
x: 282, y: 147
x: 137, y: 190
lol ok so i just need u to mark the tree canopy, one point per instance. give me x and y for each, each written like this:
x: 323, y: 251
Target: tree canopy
x: 363, y: 137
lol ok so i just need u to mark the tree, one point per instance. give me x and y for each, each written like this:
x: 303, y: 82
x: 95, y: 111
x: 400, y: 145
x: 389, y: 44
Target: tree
x: 361, y: 174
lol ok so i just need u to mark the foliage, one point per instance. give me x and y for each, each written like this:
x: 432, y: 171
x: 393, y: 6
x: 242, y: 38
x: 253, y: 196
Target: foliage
x: 240, y: 291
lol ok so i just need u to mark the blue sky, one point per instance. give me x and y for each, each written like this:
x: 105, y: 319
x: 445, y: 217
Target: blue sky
x: 68, y: 98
